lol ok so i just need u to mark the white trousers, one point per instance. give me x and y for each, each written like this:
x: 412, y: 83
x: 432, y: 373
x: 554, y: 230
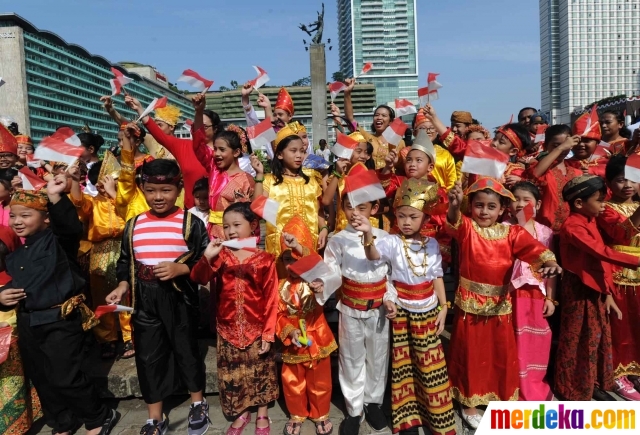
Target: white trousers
x: 364, y: 360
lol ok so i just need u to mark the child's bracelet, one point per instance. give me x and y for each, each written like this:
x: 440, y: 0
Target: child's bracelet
x: 335, y: 174
x: 323, y: 228
x: 447, y: 304
x: 554, y: 302
x: 366, y: 245
x: 258, y: 181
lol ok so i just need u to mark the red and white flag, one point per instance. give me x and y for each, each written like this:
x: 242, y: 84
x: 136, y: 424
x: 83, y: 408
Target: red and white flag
x: 188, y: 123
x: 261, y: 135
x: 32, y: 162
x: 266, y: 208
x: 527, y: 213
x: 394, y: 133
x: 426, y: 96
x: 335, y: 88
x: 344, y: 146
x: 30, y: 181
x: 310, y: 268
x: 592, y: 120
x: 112, y: 308
x: 602, y: 151
x: 157, y: 103
x: 405, y: 107
x: 365, y: 69
x: 62, y: 146
x: 481, y: 158
x: 261, y: 79
x: 195, y: 80
x: 540, y: 133
x: 362, y: 185
x: 632, y: 168
x: 432, y: 83
x: 118, y: 81
x: 247, y: 243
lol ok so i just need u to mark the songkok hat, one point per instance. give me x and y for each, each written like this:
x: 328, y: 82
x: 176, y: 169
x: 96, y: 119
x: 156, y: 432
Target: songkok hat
x: 8, y: 142
x: 420, y: 194
x: 284, y: 101
x: 463, y: 117
x: 35, y: 199
x: 588, y: 125
x: 424, y: 144
x: 298, y: 228
x: 168, y: 114
x: 582, y: 187
x: 483, y: 183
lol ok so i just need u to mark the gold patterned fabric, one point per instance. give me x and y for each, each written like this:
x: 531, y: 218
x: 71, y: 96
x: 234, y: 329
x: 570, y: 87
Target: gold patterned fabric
x: 483, y: 289
x: 130, y: 200
x: 380, y: 148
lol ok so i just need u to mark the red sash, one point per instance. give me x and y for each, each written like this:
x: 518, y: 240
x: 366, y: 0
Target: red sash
x: 363, y: 296
x: 415, y: 292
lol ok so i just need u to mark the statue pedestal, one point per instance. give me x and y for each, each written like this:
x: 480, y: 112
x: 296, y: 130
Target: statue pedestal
x: 318, y: 92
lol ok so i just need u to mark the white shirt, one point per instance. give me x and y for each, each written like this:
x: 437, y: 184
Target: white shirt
x: 391, y: 249
x: 203, y: 215
x: 89, y: 188
x: 345, y: 257
x: 325, y: 153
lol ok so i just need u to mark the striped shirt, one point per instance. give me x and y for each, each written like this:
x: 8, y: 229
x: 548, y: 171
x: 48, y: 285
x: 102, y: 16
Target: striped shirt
x: 159, y: 239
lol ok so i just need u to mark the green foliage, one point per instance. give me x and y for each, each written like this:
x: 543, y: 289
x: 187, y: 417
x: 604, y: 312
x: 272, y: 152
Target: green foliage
x: 262, y: 156
x: 234, y: 84
x: 305, y: 81
x: 338, y: 76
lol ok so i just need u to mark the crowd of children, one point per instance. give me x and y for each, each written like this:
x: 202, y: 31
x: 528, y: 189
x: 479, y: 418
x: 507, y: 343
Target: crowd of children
x: 165, y: 224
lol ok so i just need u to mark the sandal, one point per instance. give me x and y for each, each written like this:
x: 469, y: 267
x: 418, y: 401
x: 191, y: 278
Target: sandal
x: 128, y: 347
x: 292, y: 428
x: 263, y: 430
x: 322, y: 424
x: 238, y: 430
x: 108, y: 350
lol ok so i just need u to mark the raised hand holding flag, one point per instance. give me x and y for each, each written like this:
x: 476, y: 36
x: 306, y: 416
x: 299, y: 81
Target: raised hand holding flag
x: 335, y: 88
x: 261, y: 79
x: 157, y: 103
x: 195, y: 80
x: 118, y: 82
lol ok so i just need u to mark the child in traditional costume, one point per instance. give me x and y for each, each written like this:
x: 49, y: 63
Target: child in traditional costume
x: 246, y: 289
x: 483, y: 335
x: 159, y: 249
x: 306, y: 368
x: 444, y: 172
x: 201, y: 199
x: 533, y: 299
x: 46, y: 284
x: 619, y: 225
x: 584, y: 366
x: 130, y: 201
x: 364, y: 291
x: 420, y: 389
x: 588, y: 156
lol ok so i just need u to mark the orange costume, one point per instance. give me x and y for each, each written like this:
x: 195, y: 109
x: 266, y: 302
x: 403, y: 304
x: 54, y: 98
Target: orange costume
x: 483, y: 335
x: 306, y: 372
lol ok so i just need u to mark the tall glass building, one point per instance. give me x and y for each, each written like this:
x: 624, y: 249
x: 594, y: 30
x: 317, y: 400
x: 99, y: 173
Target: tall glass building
x: 383, y: 32
x: 50, y: 83
x: 589, y: 50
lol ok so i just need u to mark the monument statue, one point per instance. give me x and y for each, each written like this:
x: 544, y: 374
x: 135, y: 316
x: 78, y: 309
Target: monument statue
x: 317, y: 27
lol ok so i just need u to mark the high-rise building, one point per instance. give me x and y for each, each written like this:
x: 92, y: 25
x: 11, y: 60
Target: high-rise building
x: 50, y: 83
x: 589, y: 50
x: 383, y: 32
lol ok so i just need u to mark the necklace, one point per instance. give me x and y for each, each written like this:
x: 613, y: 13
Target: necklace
x: 290, y: 175
x: 407, y: 247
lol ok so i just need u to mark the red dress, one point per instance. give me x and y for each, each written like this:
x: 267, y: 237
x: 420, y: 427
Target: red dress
x: 454, y: 144
x: 596, y: 166
x: 619, y: 233
x: 554, y: 210
x: 483, y: 360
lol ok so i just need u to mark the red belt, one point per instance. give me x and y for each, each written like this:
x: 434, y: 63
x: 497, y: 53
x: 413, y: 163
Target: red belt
x: 145, y: 273
x: 415, y: 292
x: 363, y: 296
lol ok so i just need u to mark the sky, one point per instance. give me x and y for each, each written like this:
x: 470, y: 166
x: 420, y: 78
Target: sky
x: 487, y: 52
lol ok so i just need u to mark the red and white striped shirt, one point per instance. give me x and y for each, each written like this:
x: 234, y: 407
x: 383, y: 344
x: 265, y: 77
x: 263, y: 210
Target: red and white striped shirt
x: 158, y: 239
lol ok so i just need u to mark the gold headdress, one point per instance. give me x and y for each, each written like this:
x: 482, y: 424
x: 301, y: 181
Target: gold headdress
x: 358, y: 136
x: 110, y: 166
x: 168, y: 114
x: 291, y: 129
x: 419, y: 194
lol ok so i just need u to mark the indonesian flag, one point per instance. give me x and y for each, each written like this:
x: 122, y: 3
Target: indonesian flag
x: 335, y: 88
x: 247, y: 243
x: 261, y: 135
x: 261, y: 79
x: 30, y: 181
x: 2, y: 82
x: 632, y: 168
x: 592, y: 120
x: 112, y: 308
x: 526, y: 214
x: 432, y: 83
x: 540, y: 136
x: 157, y: 103
x: 362, y: 185
x: 344, y: 146
x: 482, y: 159
x: 118, y: 82
x: 405, y: 107
x: 266, y: 208
x: 195, y: 80
x: 62, y: 146
x: 425, y: 96
x: 395, y: 132
x: 365, y: 69
x: 188, y: 123
x: 310, y: 268
x: 32, y: 162
x: 601, y: 151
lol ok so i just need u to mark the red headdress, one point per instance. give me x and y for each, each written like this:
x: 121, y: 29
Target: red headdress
x: 588, y: 125
x: 513, y: 138
x: 491, y: 184
x: 300, y: 230
x: 420, y: 119
x: 8, y: 142
x: 284, y: 101
x: 23, y: 139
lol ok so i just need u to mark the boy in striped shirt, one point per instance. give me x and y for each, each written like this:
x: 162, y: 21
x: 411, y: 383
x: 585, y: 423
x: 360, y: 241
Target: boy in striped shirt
x: 159, y: 248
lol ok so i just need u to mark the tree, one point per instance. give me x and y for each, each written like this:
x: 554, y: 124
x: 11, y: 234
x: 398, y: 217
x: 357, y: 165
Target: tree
x: 338, y: 76
x: 223, y: 89
x: 234, y: 84
x: 305, y: 81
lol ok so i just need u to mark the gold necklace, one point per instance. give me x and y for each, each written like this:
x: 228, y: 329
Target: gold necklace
x: 425, y: 261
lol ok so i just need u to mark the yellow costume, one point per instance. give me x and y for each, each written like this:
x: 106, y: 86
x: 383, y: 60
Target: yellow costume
x: 444, y: 172
x: 381, y: 149
x: 130, y: 200
x: 296, y: 199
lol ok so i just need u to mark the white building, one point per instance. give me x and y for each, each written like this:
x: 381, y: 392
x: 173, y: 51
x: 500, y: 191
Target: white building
x: 383, y: 32
x: 589, y: 50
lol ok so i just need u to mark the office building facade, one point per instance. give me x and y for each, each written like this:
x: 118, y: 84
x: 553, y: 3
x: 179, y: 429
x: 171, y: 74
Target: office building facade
x: 589, y: 50
x: 383, y: 32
